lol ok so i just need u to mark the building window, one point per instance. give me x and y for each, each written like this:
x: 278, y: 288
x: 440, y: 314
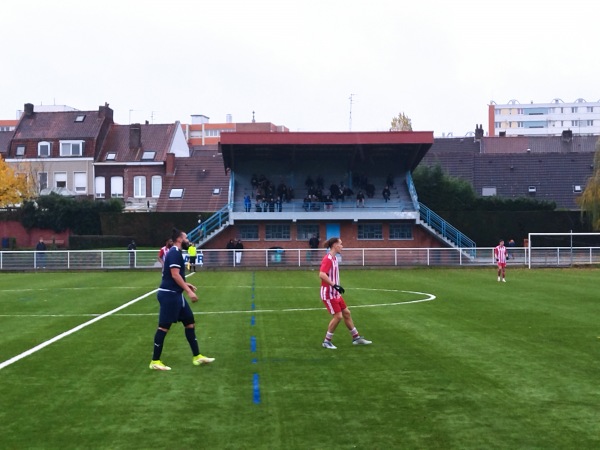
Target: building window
x: 111, y: 156
x: 590, y: 123
x: 80, y: 182
x: 139, y: 186
x: 372, y: 231
x: 176, y: 193
x: 116, y: 187
x: 60, y: 179
x: 148, y: 156
x: 156, y: 186
x: 71, y: 148
x: 249, y: 232
x: 20, y: 150
x: 488, y: 191
x: 306, y: 230
x: 577, y: 188
x: 216, y: 191
x: 574, y: 109
x: 277, y: 232
x: 100, y: 185
x: 42, y: 180
x: 44, y: 149
x: 80, y: 118
x: 401, y: 231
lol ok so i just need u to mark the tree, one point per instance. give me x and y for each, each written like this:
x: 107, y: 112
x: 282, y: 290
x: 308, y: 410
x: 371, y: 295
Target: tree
x: 590, y: 199
x: 14, y: 188
x: 401, y: 123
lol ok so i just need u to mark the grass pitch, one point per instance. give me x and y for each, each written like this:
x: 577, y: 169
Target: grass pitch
x: 458, y: 361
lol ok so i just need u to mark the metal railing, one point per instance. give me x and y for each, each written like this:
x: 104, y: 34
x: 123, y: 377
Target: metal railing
x: 446, y: 230
x: 296, y: 258
x: 214, y: 222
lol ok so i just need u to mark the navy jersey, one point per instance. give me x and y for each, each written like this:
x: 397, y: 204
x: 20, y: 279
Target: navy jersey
x: 174, y: 258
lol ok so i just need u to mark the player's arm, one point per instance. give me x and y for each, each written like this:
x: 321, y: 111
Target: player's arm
x: 323, y: 276
x: 190, y: 289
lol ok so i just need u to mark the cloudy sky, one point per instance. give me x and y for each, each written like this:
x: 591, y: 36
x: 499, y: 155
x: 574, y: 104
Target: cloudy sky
x: 298, y: 63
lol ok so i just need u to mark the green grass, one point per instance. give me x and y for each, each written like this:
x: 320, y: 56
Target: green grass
x: 485, y: 365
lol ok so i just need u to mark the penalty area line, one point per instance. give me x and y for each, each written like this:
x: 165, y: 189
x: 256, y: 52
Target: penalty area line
x: 31, y: 351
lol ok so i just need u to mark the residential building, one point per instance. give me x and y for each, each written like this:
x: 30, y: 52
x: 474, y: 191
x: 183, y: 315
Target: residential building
x: 549, y: 168
x: 544, y: 119
x: 134, y: 161
x: 58, y: 149
x: 202, y: 132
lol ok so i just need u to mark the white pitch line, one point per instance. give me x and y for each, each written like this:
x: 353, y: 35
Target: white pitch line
x: 14, y: 359
x: 428, y: 298
x: 71, y: 331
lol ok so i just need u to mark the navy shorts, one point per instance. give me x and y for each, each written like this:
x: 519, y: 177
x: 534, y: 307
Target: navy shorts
x: 173, y: 308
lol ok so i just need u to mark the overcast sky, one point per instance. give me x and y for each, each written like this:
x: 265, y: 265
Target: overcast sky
x: 297, y: 63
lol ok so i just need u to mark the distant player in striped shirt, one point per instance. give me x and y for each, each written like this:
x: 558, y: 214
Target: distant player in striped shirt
x: 500, y: 257
x: 331, y: 295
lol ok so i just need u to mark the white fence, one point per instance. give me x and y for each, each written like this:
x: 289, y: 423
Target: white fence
x: 289, y: 258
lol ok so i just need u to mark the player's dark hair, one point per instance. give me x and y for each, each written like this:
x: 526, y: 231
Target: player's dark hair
x: 175, y: 234
x: 329, y: 242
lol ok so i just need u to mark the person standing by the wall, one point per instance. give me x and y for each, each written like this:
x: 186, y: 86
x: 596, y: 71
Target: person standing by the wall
x: 41, y: 254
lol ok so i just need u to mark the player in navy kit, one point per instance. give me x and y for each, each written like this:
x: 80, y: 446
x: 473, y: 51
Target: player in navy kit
x: 173, y: 305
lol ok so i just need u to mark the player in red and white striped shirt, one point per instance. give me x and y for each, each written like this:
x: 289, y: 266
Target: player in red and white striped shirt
x: 331, y: 295
x: 500, y: 257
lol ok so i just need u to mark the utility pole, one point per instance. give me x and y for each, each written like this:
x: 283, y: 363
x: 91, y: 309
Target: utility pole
x: 351, y: 101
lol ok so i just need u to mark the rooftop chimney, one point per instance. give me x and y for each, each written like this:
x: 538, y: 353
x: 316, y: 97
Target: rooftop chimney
x: 478, y: 132
x: 28, y: 109
x: 105, y: 111
x: 135, y: 136
x: 170, y: 168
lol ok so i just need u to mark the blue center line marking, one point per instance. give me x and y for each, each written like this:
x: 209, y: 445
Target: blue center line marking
x: 256, y: 389
x: 254, y: 360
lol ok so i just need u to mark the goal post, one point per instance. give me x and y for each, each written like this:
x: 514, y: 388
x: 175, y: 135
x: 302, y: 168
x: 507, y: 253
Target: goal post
x: 566, y: 249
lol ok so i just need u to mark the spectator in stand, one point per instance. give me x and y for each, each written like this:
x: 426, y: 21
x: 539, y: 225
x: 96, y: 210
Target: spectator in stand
x: 386, y: 193
x: 390, y: 180
x: 247, y: 203
x: 360, y: 199
x: 162, y: 253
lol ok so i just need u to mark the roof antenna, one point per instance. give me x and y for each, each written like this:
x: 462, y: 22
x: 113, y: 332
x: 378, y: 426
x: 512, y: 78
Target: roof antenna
x: 351, y: 101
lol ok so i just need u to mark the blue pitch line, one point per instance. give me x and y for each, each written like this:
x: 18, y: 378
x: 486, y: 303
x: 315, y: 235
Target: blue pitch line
x: 254, y: 360
x: 255, y: 389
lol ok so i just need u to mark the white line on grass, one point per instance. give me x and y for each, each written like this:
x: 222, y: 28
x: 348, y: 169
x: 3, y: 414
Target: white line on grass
x: 71, y: 331
x: 428, y: 298
x: 14, y: 359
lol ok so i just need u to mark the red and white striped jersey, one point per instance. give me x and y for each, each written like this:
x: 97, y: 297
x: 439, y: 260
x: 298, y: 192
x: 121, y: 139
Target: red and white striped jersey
x: 500, y: 253
x: 329, y: 265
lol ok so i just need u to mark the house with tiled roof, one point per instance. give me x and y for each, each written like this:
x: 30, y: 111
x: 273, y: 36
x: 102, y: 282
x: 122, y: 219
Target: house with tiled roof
x: 135, y: 160
x: 5, y: 138
x: 198, y: 183
x: 58, y: 149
